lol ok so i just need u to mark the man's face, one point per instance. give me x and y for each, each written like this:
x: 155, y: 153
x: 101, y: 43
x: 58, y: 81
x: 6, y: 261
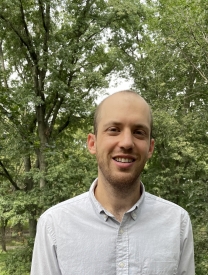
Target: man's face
x: 122, y: 145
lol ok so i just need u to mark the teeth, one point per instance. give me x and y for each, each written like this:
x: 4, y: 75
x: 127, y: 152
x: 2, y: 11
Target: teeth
x: 124, y: 160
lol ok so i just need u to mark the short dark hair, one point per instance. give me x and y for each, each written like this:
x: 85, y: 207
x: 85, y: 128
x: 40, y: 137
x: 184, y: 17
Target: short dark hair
x: 97, y: 112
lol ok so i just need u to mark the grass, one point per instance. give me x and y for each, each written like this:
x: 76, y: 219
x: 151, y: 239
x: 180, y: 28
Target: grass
x: 12, y: 245
x: 3, y: 257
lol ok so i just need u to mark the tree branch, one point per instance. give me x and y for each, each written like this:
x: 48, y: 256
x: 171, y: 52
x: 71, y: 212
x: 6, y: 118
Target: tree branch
x: 8, y: 176
x: 24, y: 42
x: 64, y: 126
x: 3, y: 65
x: 55, y: 113
x: 46, y: 25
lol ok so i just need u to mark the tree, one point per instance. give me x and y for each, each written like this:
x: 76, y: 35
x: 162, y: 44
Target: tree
x: 170, y: 70
x: 55, y: 57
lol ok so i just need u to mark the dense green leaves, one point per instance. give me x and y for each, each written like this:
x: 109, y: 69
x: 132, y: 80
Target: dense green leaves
x: 55, y: 58
x: 172, y: 74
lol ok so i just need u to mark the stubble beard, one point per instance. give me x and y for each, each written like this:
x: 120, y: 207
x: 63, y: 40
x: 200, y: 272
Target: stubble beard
x: 122, y: 184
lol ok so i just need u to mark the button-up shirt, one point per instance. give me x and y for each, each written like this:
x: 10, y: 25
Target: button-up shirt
x: 79, y: 237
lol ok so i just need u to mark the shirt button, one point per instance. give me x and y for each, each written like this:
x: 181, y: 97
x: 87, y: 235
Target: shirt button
x: 121, y: 265
x: 121, y: 231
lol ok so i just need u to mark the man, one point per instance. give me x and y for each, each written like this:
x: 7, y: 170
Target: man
x: 116, y: 227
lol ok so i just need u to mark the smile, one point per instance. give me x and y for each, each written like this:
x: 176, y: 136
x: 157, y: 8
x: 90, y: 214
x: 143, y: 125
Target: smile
x: 124, y: 160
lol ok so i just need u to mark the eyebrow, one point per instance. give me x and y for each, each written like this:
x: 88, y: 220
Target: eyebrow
x: 116, y: 123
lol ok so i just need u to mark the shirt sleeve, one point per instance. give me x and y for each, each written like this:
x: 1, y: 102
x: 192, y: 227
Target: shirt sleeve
x: 186, y: 264
x: 44, y: 259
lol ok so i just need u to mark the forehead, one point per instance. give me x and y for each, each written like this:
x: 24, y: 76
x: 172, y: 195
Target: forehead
x: 124, y: 107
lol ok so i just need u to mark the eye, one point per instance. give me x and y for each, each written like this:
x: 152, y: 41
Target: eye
x: 139, y: 133
x: 113, y: 130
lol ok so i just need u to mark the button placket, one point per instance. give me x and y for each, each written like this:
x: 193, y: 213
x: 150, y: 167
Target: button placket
x: 122, y: 251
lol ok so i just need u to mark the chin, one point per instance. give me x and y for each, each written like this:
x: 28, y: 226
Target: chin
x: 123, y: 182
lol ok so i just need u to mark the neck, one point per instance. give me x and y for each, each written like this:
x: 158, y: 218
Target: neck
x: 115, y: 201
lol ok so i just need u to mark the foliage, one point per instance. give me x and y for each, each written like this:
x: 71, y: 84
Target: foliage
x: 170, y: 71
x: 55, y: 58
x: 18, y: 262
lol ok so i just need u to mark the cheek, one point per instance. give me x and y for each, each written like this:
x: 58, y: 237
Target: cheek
x: 106, y: 144
x: 144, y: 149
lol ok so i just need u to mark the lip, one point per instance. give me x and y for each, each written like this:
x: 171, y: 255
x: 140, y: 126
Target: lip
x: 124, y: 164
x: 124, y: 157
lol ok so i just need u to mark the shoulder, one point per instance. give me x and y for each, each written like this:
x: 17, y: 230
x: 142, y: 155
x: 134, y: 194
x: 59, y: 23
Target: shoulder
x: 166, y: 212
x: 164, y: 205
x: 68, y: 206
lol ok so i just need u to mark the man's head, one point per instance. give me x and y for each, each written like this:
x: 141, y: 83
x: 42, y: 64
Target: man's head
x: 122, y: 141
x: 99, y: 107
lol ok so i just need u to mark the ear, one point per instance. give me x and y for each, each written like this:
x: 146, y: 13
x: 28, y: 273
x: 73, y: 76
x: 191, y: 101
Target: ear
x: 91, y: 143
x: 151, y: 148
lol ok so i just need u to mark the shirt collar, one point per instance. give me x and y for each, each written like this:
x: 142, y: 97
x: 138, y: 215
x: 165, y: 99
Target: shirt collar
x: 134, y: 210
x: 101, y: 210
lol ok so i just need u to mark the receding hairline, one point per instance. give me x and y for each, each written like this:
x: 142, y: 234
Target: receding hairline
x: 99, y: 107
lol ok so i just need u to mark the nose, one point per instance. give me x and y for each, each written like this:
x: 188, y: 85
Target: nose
x: 126, y: 140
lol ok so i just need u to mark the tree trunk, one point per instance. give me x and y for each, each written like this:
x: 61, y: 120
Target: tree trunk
x: 29, y: 186
x: 28, y: 180
x: 42, y: 132
x: 3, y: 235
x: 43, y: 167
x: 32, y: 227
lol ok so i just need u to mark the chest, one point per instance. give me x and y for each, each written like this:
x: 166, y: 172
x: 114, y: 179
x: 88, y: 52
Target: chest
x: 126, y: 248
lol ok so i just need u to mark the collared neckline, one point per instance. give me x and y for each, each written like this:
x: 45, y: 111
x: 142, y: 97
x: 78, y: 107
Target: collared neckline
x: 106, y: 214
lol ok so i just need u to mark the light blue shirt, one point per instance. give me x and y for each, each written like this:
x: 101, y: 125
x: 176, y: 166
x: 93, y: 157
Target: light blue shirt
x: 79, y: 237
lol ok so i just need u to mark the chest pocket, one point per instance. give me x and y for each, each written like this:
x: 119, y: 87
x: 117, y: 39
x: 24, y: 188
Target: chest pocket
x: 159, y: 268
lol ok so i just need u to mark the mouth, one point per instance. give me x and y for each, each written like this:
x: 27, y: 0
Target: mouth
x: 124, y: 160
